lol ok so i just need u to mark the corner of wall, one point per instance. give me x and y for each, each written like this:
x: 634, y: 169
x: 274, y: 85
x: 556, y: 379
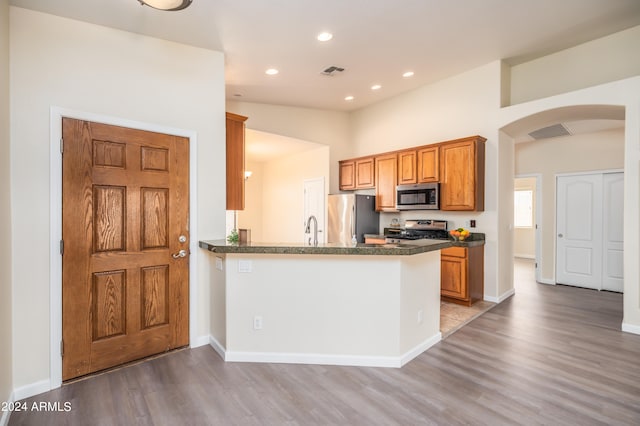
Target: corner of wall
x: 505, y: 84
x: 6, y: 282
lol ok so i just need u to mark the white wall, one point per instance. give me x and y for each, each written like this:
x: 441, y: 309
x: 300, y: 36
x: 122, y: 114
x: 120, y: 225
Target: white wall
x: 83, y: 67
x: 610, y: 58
x: 251, y: 216
x: 460, y: 106
x: 274, y: 198
x: 283, y: 193
x: 549, y: 157
x: 6, y: 384
x: 329, y: 128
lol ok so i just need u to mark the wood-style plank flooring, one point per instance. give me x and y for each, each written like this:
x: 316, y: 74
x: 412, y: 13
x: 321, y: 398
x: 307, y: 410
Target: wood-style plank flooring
x: 550, y: 355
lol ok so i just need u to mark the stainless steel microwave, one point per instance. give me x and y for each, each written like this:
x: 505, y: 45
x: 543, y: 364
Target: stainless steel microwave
x: 421, y: 196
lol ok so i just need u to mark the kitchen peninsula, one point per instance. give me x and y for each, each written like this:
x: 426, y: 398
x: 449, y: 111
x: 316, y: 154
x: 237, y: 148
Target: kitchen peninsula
x: 368, y: 305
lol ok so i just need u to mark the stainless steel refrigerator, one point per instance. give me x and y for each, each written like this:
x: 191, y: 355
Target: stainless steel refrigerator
x: 351, y: 214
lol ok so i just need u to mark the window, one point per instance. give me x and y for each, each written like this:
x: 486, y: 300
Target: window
x: 523, y: 208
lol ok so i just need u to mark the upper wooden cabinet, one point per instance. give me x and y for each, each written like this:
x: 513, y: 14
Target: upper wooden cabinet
x: 347, y: 175
x: 235, y: 161
x: 357, y: 174
x: 386, y: 181
x: 458, y: 165
x: 407, y: 162
x: 462, y: 174
x: 428, y: 164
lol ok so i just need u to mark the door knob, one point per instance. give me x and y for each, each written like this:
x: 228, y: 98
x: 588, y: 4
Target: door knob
x: 181, y: 253
x: 560, y: 235
x: 182, y: 239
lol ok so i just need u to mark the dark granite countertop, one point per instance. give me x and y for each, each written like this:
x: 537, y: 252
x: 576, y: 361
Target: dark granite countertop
x: 408, y: 248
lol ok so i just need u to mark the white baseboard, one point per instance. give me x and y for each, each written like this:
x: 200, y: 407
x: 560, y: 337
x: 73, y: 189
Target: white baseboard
x: 218, y: 347
x: 28, y: 391
x: 504, y: 296
x: 4, y: 417
x: 548, y: 281
x: 420, y: 348
x: 199, y: 341
x: 630, y: 328
x: 326, y: 359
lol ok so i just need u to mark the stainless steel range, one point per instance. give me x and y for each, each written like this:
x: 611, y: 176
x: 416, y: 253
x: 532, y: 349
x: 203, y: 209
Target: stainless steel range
x: 417, y: 229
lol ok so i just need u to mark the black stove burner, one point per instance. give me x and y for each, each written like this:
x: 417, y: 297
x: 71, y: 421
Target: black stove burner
x: 432, y: 234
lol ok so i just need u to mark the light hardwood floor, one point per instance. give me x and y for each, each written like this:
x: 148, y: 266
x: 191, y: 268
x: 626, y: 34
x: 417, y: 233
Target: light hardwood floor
x: 550, y: 355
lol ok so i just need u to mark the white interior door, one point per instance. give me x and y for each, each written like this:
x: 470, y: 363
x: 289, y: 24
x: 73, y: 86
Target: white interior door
x: 579, y: 230
x: 314, y: 204
x: 613, y: 235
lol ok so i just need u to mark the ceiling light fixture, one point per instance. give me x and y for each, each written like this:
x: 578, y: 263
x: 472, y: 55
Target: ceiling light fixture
x: 349, y: 98
x: 408, y: 74
x: 166, y: 4
x: 324, y: 36
x: 271, y: 71
x: 376, y: 87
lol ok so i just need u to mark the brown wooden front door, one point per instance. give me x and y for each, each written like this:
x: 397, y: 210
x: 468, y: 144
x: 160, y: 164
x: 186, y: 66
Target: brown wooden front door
x: 125, y: 205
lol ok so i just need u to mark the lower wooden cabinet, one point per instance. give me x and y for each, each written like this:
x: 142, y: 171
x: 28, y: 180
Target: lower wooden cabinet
x: 462, y: 274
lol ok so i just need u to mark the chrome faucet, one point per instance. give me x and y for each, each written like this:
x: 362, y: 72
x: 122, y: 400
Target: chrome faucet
x: 315, y: 229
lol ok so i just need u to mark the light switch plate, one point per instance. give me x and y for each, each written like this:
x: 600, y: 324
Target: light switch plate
x: 219, y: 263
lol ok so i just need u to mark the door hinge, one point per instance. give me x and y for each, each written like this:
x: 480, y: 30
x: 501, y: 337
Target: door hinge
x: 61, y: 247
x: 61, y: 146
x: 62, y: 348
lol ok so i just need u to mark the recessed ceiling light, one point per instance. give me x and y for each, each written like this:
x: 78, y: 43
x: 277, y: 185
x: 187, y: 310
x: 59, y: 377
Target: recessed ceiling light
x: 408, y: 74
x: 271, y: 71
x: 349, y: 98
x: 324, y: 36
x: 376, y: 87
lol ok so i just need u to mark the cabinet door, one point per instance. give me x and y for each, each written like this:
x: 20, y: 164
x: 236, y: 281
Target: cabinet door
x: 235, y: 161
x: 453, y: 277
x: 347, y: 175
x: 386, y: 174
x: 407, y: 172
x: 365, y: 173
x: 462, y: 175
x: 428, y: 164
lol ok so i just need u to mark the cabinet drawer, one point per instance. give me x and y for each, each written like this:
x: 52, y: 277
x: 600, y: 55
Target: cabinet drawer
x: 454, y: 251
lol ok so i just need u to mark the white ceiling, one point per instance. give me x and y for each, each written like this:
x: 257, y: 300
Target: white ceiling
x: 374, y: 40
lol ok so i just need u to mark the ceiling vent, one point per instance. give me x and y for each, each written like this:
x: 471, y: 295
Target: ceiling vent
x: 330, y: 71
x: 550, y: 132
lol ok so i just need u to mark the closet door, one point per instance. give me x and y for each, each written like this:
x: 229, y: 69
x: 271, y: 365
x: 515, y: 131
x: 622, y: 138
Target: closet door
x: 613, y: 232
x: 579, y: 230
x: 589, y: 224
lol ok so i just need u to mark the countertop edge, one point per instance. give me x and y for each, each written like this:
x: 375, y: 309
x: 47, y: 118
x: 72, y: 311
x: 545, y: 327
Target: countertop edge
x: 220, y: 246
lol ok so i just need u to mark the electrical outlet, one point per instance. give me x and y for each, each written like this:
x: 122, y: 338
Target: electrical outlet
x: 245, y: 266
x: 219, y: 263
x: 472, y: 223
x: 257, y: 323
x: 420, y: 314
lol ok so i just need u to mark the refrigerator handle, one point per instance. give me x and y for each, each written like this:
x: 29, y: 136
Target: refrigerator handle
x: 353, y: 220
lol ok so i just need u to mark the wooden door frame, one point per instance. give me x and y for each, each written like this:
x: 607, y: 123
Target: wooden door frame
x: 55, y: 226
